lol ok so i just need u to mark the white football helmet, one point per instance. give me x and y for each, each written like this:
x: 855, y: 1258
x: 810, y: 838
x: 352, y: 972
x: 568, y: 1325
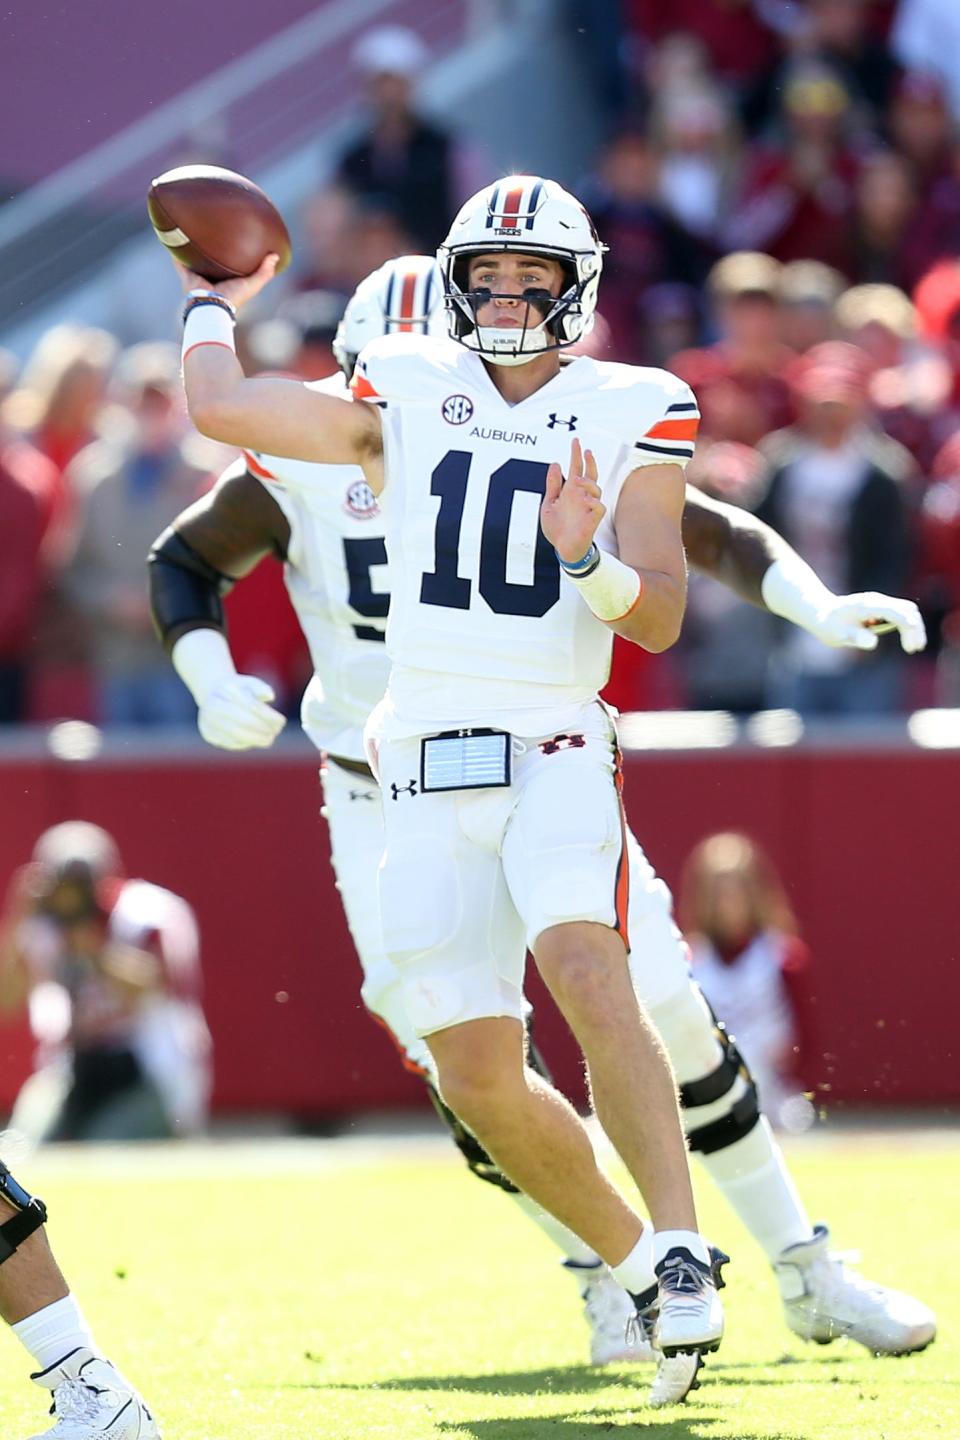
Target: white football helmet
x: 405, y: 296
x: 530, y: 216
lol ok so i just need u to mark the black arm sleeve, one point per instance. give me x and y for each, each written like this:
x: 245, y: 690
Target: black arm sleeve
x: 185, y: 591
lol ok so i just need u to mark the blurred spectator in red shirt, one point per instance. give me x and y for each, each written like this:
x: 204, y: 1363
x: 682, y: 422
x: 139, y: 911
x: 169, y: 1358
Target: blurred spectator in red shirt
x: 808, y: 291
x: 885, y: 232
x: 937, y: 301
x: 738, y: 380
x: 838, y: 492
x: 58, y: 404
x: 753, y: 968
x: 940, y: 567
x: 796, y: 197
x: 27, y: 482
x: 910, y: 383
x: 696, y: 141
x: 646, y: 246
x: 739, y: 42
x: 922, y: 127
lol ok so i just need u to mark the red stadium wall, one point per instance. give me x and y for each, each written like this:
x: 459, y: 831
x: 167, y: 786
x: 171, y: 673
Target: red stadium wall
x: 868, y: 842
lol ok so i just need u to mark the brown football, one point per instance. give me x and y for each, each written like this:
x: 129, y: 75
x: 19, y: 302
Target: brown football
x: 216, y: 222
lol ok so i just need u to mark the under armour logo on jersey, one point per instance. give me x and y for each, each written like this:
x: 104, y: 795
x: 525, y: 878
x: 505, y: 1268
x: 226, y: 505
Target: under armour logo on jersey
x: 363, y: 795
x: 571, y: 424
x: 562, y: 742
x: 457, y: 409
x: 397, y: 790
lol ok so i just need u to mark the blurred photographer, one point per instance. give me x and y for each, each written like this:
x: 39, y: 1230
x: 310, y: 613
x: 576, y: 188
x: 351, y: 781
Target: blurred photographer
x: 108, y: 970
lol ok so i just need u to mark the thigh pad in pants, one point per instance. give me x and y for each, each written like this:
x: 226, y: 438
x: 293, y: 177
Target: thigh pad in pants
x: 449, y: 924
x: 563, y: 852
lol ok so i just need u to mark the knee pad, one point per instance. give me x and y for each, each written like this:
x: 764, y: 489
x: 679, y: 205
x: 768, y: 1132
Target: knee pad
x: 688, y: 1030
x: 31, y: 1214
x: 721, y: 1107
x: 478, y: 1161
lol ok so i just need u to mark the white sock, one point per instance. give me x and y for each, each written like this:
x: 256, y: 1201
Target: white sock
x: 51, y: 1333
x: 666, y: 1240
x: 635, y: 1273
x: 753, y: 1175
x: 569, y: 1245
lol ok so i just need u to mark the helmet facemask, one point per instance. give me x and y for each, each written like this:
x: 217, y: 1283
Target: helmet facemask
x: 522, y: 215
x: 542, y: 328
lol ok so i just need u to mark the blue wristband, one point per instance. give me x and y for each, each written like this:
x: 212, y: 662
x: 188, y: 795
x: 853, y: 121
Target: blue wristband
x: 580, y: 569
x: 207, y: 297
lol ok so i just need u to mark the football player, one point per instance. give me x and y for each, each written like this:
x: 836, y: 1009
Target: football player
x: 481, y: 595
x: 331, y: 539
x: 88, y: 1396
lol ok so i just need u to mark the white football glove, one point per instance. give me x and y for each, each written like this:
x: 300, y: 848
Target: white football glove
x: 234, y: 711
x: 237, y: 714
x: 857, y: 621
x: 791, y: 589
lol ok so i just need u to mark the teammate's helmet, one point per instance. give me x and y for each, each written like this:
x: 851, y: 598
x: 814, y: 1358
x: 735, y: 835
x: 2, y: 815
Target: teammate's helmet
x: 405, y: 296
x: 529, y: 216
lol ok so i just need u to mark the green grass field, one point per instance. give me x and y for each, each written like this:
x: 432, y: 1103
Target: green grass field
x: 330, y: 1294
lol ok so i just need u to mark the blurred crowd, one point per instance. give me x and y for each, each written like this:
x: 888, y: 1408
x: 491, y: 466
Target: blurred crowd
x: 779, y: 187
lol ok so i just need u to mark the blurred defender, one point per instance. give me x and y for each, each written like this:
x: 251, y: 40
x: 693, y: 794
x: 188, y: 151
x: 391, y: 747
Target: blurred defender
x: 325, y: 524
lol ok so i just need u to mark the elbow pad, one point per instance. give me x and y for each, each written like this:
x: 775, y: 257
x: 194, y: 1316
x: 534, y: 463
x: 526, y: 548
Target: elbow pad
x: 185, y: 591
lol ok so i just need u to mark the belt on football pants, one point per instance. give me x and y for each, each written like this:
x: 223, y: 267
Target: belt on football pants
x: 356, y: 767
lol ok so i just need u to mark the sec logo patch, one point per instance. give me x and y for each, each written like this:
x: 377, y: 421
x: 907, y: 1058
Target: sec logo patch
x: 361, y: 501
x: 457, y: 409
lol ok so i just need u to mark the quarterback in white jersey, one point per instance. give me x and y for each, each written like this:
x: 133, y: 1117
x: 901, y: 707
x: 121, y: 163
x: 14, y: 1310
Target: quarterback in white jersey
x: 512, y: 838
x: 514, y: 579
x: 337, y: 582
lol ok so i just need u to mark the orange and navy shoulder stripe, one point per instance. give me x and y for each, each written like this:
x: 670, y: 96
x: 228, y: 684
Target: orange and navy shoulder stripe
x: 673, y: 436
x: 361, y: 388
x: 256, y: 467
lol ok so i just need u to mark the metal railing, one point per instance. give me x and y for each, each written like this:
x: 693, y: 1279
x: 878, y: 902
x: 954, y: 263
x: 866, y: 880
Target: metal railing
x: 265, y: 102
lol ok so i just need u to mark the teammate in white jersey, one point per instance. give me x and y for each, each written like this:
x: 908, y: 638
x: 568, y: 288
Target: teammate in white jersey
x: 516, y: 579
x: 337, y: 587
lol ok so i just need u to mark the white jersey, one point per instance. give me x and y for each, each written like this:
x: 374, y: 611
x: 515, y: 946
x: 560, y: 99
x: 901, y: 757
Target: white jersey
x: 336, y: 576
x: 483, y: 628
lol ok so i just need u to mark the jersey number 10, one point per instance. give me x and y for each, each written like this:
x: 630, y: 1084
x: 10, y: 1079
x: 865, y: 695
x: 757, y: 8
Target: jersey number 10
x: 443, y: 585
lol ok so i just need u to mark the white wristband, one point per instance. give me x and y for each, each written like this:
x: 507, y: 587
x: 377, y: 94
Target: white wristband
x: 207, y: 325
x: 202, y: 658
x: 611, y: 589
x: 791, y: 589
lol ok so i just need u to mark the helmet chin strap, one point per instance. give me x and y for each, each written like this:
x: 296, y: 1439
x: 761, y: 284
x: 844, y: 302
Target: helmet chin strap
x: 491, y: 338
x: 499, y: 345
